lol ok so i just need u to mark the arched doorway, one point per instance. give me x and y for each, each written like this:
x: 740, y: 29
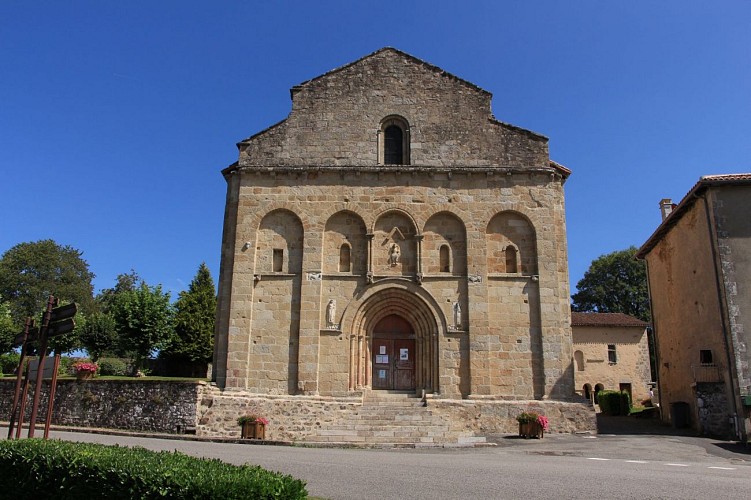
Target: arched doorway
x: 394, y: 309
x: 393, y: 354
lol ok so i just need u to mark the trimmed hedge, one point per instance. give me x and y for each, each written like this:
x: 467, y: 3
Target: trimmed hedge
x: 614, y: 402
x: 112, y: 366
x: 35, y: 468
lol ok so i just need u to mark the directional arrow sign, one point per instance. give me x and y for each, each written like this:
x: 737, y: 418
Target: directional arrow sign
x: 31, y: 337
x: 64, y: 312
x: 61, y: 327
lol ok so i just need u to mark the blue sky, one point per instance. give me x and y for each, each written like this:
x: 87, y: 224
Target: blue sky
x: 117, y: 117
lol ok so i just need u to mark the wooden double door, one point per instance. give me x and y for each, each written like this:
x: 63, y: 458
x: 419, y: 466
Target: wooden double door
x: 394, y: 364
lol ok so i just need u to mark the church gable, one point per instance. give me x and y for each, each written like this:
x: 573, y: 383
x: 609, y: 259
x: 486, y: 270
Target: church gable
x: 344, y: 118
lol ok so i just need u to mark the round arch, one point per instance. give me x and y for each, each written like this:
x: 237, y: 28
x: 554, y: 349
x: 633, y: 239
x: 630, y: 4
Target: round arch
x: 394, y: 297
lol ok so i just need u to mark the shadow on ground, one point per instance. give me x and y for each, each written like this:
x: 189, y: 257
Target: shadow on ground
x: 608, y: 424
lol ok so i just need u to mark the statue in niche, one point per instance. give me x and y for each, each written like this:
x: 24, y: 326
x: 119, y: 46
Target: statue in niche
x: 457, y: 316
x: 394, y: 254
x: 331, y: 314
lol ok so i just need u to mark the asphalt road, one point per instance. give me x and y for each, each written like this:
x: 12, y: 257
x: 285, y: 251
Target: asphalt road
x: 558, y: 466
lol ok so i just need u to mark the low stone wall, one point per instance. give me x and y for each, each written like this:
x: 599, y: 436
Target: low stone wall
x: 141, y: 405
x: 291, y: 418
x: 179, y: 407
x: 486, y: 418
x: 294, y: 418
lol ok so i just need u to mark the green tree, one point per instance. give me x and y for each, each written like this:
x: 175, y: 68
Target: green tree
x: 143, y: 318
x: 125, y: 282
x: 7, y: 328
x: 614, y: 283
x: 30, y: 272
x: 195, y: 312
x: 98, y: 335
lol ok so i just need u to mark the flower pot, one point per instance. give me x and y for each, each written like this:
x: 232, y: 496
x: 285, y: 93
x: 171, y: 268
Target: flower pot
x: 530, y: 430
x: 253, y: 430
x: 84, y: 375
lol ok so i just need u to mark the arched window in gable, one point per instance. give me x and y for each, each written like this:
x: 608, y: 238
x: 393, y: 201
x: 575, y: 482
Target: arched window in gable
x: 345, y: 258
x: 393, y: 141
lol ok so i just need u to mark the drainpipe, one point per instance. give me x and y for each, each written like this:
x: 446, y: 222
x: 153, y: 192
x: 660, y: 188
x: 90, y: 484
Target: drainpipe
x: 723, y: 308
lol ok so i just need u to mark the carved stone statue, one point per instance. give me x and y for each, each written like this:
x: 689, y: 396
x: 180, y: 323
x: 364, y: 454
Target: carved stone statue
x: 457, y: 315
x: 331, y: 314
x: 394, y: 254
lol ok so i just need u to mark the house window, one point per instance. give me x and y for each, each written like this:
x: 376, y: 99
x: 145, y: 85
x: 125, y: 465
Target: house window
x: 445, y: 259
x: 393, y: 141
x: 705, y: 357
x: 278, y: 260
x: 345, y: 264
x: 612, y: 357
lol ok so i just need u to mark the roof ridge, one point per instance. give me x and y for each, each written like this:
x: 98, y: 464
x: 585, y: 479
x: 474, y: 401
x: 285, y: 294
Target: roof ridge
x: 414, y: 59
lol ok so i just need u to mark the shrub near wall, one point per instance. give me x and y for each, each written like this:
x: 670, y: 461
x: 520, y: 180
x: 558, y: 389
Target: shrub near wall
x: 33, y: 468
x: 614, y: 402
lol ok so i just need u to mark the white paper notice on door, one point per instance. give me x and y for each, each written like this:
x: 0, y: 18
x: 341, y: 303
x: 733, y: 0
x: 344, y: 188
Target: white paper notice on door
x: 381, y: 373
x: 403, y: 354
x: 383, y: 350
x: 382, y: 359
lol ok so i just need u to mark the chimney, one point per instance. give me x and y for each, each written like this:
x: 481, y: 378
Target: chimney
x: 666, y: 207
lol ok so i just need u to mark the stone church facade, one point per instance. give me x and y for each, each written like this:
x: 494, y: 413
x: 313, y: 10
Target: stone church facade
x: 392, y: 234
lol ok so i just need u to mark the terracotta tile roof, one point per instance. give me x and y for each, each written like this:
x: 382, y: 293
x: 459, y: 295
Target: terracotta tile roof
x: 605, y: 319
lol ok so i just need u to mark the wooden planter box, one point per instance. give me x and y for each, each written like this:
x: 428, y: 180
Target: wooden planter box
x: 531, y: 430
x: 253, y: 430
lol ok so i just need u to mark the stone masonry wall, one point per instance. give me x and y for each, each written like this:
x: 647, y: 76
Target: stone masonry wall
x: 335, y: 120
x: 141, y: 405
x: 300, y: 417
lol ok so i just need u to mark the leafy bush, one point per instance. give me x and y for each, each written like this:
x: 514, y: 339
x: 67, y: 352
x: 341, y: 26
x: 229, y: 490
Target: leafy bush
x: 614, y: 402
x: 34, y: 468
x: 113, y: 366
x: 66, y: 365
x: 9, y: 362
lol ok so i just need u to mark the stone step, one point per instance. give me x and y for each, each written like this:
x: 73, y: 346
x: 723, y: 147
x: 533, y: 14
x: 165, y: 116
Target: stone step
x: 386, y: 427
x: 393, y: 419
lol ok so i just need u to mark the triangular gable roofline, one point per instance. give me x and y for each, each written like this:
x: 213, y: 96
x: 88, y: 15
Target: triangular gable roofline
x: 563, y: 170
x: 706, y: 181
x: 239, y: 144
x: 414, y: 59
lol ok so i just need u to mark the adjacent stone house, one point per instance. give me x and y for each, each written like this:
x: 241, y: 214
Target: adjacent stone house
x: 699, y: 269
x: 610, y: 353
x: 392, y: 235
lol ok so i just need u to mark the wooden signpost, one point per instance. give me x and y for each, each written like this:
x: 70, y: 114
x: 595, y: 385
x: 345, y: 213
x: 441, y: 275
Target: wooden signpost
x: 56, y: 320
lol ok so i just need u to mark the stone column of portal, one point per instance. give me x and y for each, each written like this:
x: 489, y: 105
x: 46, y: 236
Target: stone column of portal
x: 477, y: 310
x: 369, y: 273
x: 312, y: 305
x: 418, y: 264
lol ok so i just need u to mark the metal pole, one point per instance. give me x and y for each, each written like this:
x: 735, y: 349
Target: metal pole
x: 22, y: 410
x: 19, y: 377
x: 40, y: 368
x: 51, y: 402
